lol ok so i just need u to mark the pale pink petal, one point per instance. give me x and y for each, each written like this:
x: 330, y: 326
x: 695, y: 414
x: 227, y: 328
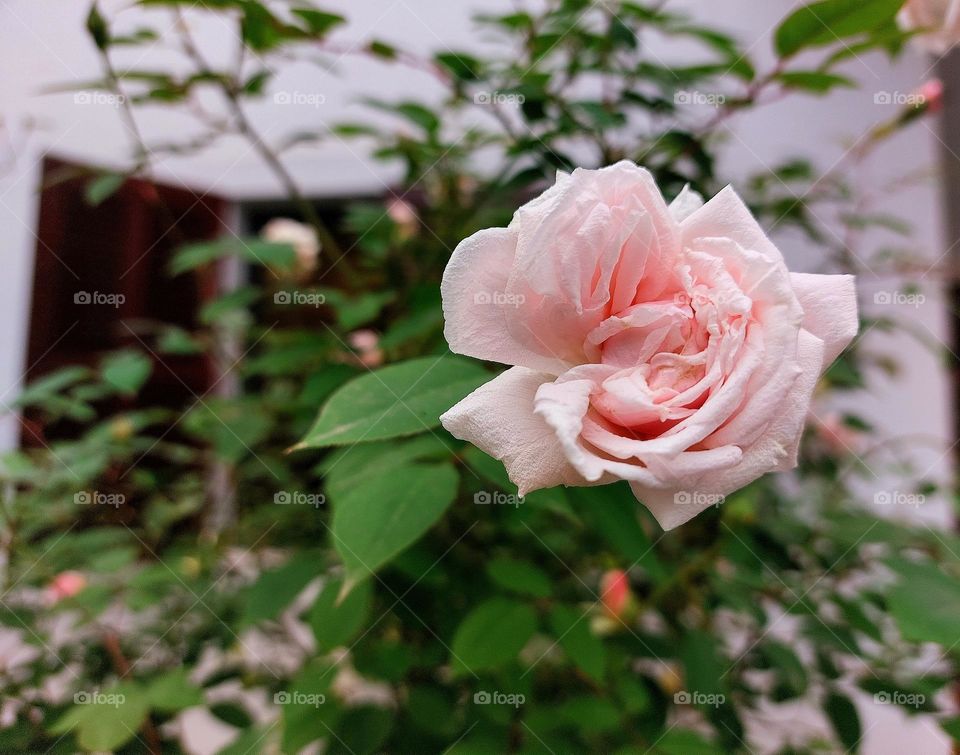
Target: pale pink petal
x: 829, y: 309
x: 499, y: 419
x: 775, y: 450
x: 726, y: 216
x: 476, y: 306
x: 686, y: 203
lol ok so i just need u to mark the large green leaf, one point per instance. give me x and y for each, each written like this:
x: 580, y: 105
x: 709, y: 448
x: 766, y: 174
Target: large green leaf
x: 925, y: 604
x: 276, y: 589
x: 402, y: 399
x: 572, y: 630
x: 376, y: 520
x: 348, y: 467
x: 845, y: 720
x: 492, y: 634
x: 830, y: 21
x: 127, y: 371
x: 335, y: 623
x: 105, y: 720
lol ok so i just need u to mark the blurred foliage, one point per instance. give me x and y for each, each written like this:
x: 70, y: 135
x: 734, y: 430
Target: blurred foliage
x: 314, y: 525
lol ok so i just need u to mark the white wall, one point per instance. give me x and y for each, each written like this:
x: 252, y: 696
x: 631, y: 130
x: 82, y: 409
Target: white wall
x: 42, y: 45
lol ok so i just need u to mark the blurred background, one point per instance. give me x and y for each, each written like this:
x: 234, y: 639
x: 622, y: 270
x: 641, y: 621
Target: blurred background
x: 118, y: 262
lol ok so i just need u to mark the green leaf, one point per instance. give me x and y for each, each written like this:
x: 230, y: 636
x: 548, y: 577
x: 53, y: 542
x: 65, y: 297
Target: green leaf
x: 790, y: 672
x: 519, y: 577
x: 461, y: 65
x: 613, y: 511
x: 403, y: 399
x: 252, y: 250
x: 952, y: 727
x: 103, y: 187
x: 173, y: 692
x: 318, y: 22
x: 105, y: 720
x: 844, y: 719
x: 361, y: 731
x: 127, y: 371
x: 334, y: 623
x: 703, y: 669
x: 682, y: 742
x: 572, y: 630
x: 817, y: 82
x: 378, y: 519
x: 348, y: 467
x: 97, y: 27
x: 925, y: 604
x: 276, y: 589
x: 491, y: 635
x: 830, y: 21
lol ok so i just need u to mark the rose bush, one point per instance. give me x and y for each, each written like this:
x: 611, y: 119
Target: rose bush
x: 666, y: 346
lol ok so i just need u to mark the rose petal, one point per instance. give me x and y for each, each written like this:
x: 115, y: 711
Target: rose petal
x: 687, y: 202
x: 474, y: 310
x: 775, y: 450
x: 499, y: 419
x: 726, y: 216
x: 829, y: 310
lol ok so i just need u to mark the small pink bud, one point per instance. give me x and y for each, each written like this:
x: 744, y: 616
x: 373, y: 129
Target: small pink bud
x: 615, y: 591
x: 66, y: 585
x: 367, y: 345
x: 404, y: 217
x: 932, y: 93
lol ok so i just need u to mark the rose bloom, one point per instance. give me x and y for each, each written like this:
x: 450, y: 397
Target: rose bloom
x: 302, y: 237
x: 666, y: 346
x: 938, y: 22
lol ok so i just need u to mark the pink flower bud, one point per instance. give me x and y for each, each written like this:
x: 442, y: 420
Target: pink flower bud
x: 615, y: 591
x: 367, y: 345
x: 66, y: 585
x: 932, y: 93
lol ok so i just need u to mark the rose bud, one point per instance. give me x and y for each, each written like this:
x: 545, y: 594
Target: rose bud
x: 66, y: 585
x: 615, y: 592
x: 367, y: 345
x: 666, y: 346
x: 931, y: 92
x: 404, y: 217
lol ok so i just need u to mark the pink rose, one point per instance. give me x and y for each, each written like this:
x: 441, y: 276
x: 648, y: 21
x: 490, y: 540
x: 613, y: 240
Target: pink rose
x: 669, y: 347
x: 938, y: 22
